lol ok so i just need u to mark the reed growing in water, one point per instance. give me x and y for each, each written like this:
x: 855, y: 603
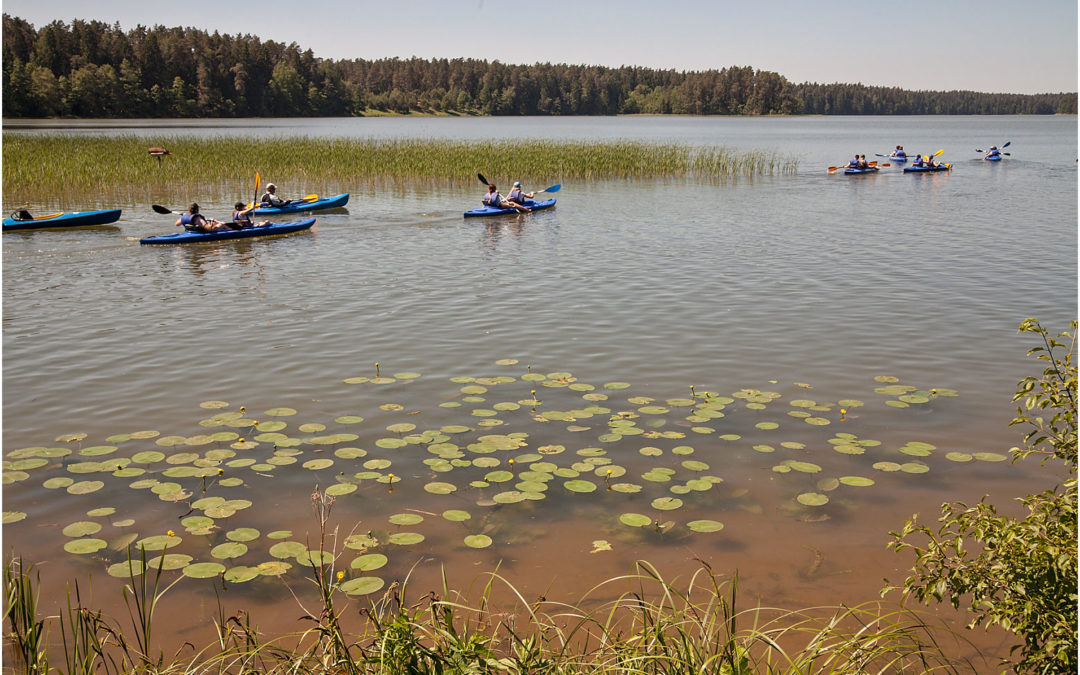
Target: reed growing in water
x: 50, y: 164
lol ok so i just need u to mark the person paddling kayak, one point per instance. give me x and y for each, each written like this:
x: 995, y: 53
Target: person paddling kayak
x: 898, y: 153
x: 242, y: 216
x: 197, y: 222
x: 270, y: 197
x: 517, y: 196
x: 496, y: 200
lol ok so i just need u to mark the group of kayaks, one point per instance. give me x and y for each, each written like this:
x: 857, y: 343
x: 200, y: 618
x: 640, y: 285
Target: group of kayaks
x: 23, y: 220
x: 927, y: 165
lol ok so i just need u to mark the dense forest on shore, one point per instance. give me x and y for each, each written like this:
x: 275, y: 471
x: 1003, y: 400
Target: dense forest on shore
x: 93, y: 69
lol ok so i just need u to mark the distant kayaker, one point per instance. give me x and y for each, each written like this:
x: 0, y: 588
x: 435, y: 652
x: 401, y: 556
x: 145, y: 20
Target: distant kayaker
x: 853, y: 163
x: 899, y: 153
x: 918, y: 161
x: 517, y: 196
x: 242, y: 216
x: 993, y: 151
x: 197, y: 222
x: 270, y: 197
x: 496, y: 200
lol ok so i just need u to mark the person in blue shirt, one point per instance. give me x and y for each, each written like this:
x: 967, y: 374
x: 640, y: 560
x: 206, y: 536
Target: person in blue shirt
x: 993, y: 151
x: 918, y: 161
x: 197, y: 222
x: 517, y: 196
x: 899, y: 153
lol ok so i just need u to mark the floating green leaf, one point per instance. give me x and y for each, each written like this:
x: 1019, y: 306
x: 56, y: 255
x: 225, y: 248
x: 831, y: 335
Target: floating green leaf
x: 477, y: 541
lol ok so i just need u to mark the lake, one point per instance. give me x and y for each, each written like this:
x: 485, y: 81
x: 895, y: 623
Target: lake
x: 408, y: 354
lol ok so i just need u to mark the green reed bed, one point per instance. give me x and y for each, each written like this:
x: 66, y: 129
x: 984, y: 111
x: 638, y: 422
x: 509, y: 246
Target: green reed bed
x: 48, y: 164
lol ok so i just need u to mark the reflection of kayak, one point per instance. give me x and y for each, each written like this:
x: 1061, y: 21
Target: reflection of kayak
x: 298, y: 206
x: 492, y: 211
x: 993, y: 158
x: 927, y: 169
x: 69, y: 219
x: 219, y: 235
x: 852, y: 171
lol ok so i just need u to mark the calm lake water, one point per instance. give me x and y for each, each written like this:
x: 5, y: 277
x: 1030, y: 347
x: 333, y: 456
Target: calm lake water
x: 807, y: 287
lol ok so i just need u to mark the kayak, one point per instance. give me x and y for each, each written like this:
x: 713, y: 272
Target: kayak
x: 993, y: 158
x: 189, y: 237
x: 495, y: 211
x: 927, y: 169
x: 898, y: 160
x: 69, y: 219
x: 299, y: 206
x: 852, y: 171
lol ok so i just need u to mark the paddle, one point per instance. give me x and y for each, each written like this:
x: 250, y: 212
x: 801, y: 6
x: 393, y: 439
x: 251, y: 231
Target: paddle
x: 482, y: 179
x: 255, y: 199
x: 553, y: 188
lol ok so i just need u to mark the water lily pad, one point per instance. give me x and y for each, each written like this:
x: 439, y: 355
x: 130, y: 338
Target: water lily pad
x: 362, y: 585
x: 58, y: 482
x: 317, y: 464
x: 705, y: 525
x: 340, y: 489
x: 477, y: 541
x: 406, y: 538
x: 369, y: 561
x: 767, y: 426
x: 666, y: 503
x: 81, y: 528
x: 126, y: 569
x: 989, y: 456
x: 406, y: 518
x: 85, y: 546
x: 812, y: 499
x: 959, y: 457
x: 232, y: 549
x: 168, y: 562
x: 85, y: 487
x: 273, y: 568
x: 914, y: 467
x: 13, y: 517
x: 635, y: 519
x: 856, y: 481
x: 241, y: 574
x: 204, y: 570
x: 242, y: 534
x: 579, y: 485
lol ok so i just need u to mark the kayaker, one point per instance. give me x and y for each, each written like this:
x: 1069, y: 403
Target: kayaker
x: 899, y: 153
x: 242, y: 216
x: 918, y: 161
x: 931, y: 162
x: 197, y: 222
x: 993, y: 151
x: 496, y: 200
x: 517, y: 196
x: 853, y: 163
x: 270, y: 197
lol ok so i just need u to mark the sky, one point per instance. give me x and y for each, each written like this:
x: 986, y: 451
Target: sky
x: 999, y: 46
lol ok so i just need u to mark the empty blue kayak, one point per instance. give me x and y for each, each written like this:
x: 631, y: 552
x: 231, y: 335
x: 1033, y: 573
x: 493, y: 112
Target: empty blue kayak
x: 189, y: 237
x: 69, y: 219
x: 852, y: 171
x: 927, y: 169
x: 492, y: 211
x: 299, y: 206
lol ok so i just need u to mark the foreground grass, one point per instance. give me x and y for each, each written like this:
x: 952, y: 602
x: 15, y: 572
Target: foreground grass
x: 632, y: 624
x: 47, y: 164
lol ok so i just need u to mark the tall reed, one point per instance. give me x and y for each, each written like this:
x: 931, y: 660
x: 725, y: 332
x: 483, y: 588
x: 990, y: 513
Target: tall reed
x: 48, y: 164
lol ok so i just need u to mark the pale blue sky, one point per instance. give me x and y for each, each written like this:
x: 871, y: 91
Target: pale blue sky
x: 1012, y: 46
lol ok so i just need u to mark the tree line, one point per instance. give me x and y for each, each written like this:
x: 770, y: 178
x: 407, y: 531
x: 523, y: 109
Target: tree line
x: 93, y: 69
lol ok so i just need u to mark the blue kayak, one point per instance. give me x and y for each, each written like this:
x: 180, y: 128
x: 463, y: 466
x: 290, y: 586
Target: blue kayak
x: 927, y: 169
x: 189, y: 237
x: 300, y: 206
x: 853, y: 171
x: 494, y: 211
x: 69, y: 219
x: 993, y: 158
x: 898, y: 160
